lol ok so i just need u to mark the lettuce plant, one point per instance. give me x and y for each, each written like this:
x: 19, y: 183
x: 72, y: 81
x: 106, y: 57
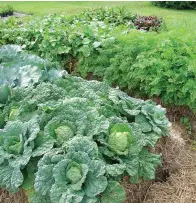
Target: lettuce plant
x: 148, y: 23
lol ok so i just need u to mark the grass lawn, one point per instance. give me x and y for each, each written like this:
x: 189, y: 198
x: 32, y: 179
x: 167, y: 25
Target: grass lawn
x: 43, y: 8
x: 173, y: 18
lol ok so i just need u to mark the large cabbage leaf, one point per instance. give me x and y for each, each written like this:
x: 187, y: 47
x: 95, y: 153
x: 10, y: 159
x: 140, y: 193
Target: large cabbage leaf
x: 18, y: 68
x: 114, y: 193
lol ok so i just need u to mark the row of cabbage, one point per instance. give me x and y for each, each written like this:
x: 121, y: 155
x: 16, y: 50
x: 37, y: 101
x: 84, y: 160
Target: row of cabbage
x: 65, y: 139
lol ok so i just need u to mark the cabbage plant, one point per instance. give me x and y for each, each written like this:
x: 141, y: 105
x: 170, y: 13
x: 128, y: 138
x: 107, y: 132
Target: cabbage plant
x: 16, y: 146
x: 78, y: 176
x: 5, y: 93
x: 18, y: 68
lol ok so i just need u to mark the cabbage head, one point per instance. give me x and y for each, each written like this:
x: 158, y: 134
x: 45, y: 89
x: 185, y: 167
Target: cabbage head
x: 63, y: 133
x: 120, y: 138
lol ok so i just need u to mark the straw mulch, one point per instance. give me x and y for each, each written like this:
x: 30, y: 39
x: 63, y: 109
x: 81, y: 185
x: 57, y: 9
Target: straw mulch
x: 19, y: 197
x: 175, y: 180
x: 180, y: 162
x: 180, y: 187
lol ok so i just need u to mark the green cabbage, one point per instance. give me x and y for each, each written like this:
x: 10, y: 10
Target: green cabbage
x: 16, y: 148
x: 120, y: 139
x: 18, y: 68
x: 14, y: 145
x: 2, y: 119
x: 63, y: 134
x: 79, y: 173
x: 74, y: 173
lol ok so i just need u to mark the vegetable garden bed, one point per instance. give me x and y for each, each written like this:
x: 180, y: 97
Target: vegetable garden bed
x: 66, y: 139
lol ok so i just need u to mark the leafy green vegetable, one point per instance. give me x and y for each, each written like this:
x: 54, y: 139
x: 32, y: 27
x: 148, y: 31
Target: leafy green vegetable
x: 66, y: 139
x: 17, y: 68
x: 63, y: 133
x: 72, y: 107
x: 77, y: 175
x: 120, y: 139
x: 156, y: 66
x: 2, y: 117
x: 16, y: 150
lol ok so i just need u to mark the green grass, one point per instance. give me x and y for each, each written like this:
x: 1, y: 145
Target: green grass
x: 173, y: 18
x: 43, y: 8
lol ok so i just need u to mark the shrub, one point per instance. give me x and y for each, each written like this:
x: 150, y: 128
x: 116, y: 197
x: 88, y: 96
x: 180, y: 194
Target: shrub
x: 176, y: 4
x: 6, y: 10
x: 71, y: 140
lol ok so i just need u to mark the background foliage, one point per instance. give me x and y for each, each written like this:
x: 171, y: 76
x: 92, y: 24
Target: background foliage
x: 148, y: 65
x: 176, y: 4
